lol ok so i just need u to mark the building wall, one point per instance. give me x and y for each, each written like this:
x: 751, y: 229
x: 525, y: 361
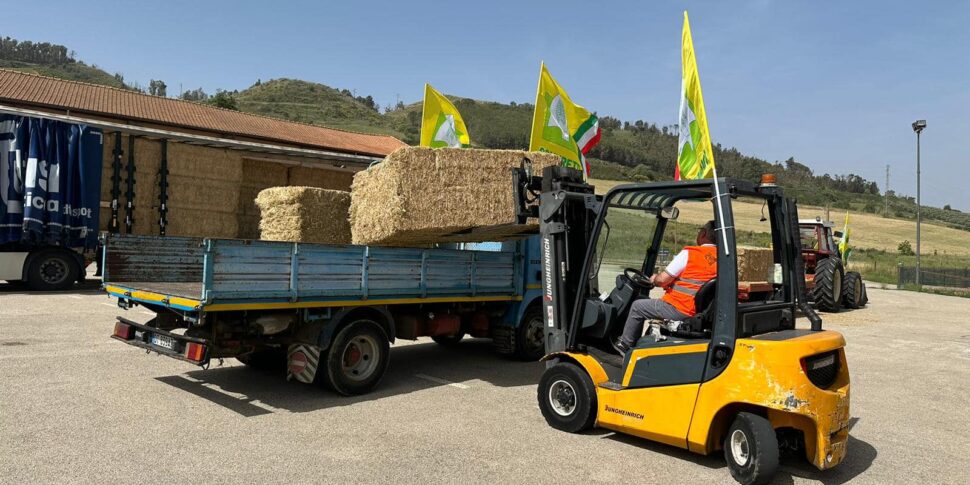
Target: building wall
x: 210, y: 190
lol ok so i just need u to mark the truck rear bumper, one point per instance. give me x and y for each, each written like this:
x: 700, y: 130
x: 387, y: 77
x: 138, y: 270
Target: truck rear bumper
x: 189, y: 349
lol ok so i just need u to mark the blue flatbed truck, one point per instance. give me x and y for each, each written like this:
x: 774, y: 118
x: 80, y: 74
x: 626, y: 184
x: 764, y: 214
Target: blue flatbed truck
x: 329, y: 312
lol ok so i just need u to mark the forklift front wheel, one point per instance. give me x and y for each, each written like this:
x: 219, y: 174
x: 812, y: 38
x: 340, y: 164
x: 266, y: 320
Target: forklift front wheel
x: 751, y: 449
x: 567, y: 398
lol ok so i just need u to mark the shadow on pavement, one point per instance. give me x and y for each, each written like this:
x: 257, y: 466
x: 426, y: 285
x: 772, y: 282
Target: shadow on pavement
x: 88, y: 287
x: 412, y: 368
x: 859, y: 458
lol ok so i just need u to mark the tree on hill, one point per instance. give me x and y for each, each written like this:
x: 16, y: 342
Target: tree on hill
x: 194, y: 95
x: 224, y: 99
x: 157, y: 87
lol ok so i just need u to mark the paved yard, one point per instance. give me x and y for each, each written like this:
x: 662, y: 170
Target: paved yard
x: 76, y: 406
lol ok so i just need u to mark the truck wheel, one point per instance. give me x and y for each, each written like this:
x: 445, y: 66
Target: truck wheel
x: 828, y: 284
x: 751, y: 449
x: 357, y: 358
x: 270, y: 359
x: 51, y: 271
x: 865, y: 295
x: 567, y: 398
x: 530, y: 343
x: 852, y: 290
x: 448, y: 340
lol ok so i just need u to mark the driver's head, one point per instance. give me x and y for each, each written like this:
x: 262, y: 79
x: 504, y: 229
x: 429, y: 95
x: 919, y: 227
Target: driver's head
x: 706, y: 234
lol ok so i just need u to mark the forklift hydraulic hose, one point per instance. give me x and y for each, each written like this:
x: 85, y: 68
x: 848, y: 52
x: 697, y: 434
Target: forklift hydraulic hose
x: 811, y: 314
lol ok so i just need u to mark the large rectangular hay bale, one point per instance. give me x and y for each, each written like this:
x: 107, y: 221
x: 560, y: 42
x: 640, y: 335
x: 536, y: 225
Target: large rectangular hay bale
x: 419, y: 196
x: 755, y: 264
x: 304, y: 214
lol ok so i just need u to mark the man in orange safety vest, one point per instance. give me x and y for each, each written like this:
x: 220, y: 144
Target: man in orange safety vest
x: 685, y: 274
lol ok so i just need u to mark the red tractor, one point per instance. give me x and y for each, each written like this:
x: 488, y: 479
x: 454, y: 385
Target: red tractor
x: 832, y: 287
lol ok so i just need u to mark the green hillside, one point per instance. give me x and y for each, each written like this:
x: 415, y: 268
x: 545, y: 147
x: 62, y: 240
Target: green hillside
x: 307, y: 102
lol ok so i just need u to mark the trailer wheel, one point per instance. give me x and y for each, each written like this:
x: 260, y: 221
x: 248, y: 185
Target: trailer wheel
x: 567, y: 398
x: 51, y: 271
x: 828, y: 284
x: 357, y: 358
x: 530, y: 343
x: 751, y: 449
x: 852, y: 290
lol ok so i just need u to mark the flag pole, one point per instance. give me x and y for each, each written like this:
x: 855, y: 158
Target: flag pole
x: 720, y: 212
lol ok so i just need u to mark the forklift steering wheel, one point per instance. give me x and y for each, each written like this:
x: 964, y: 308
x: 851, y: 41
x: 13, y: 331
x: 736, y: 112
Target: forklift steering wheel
x: 638, y: 278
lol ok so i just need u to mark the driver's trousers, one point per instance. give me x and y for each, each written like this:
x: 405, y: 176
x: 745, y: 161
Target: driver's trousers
x: 647, y: 309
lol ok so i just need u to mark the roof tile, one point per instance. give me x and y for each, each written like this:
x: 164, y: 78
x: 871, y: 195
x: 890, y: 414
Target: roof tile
x: 133, y: 106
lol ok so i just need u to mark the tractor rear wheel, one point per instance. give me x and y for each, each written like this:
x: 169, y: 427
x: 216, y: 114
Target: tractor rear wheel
x: 853, y: 290
x: 828, y: 284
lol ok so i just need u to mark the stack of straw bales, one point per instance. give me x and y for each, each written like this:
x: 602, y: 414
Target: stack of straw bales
x: 420, y: 196
x: 304, y: 214
x: 755, y: 264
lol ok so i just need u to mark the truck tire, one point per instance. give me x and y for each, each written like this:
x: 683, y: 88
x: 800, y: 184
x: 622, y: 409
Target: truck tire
x: 865, y: 295
x: 52, y: 270
x: 448, y: 340
x: 270, y: 359
x: 530, y: 344
x: 828, y: 284
x: 853, y: 290
x: 751, y: 449
x: 357, y: 358
x: 567, y: 398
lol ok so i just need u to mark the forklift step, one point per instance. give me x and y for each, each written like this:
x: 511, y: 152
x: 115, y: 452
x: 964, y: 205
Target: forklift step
x: 613, y: 386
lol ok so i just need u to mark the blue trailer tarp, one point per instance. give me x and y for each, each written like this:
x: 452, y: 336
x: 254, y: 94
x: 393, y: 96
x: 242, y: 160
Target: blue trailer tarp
x: 50, y: 182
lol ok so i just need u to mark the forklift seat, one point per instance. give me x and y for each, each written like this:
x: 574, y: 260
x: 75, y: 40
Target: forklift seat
x: 701, y: 323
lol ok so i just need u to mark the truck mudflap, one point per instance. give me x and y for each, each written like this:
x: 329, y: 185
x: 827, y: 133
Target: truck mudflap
x: 302, y: 361
x: 189, y: 349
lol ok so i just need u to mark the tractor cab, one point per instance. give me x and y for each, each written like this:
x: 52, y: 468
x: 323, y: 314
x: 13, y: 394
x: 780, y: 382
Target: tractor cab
x: 738, y: 376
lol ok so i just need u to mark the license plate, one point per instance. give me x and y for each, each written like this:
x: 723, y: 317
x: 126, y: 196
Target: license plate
x: 163, y: 341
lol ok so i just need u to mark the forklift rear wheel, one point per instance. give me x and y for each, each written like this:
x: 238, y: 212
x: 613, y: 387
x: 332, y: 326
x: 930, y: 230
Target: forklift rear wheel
x: 448, y: 340
x: 357, y: 358
x: 567, y: 398
x: 852, y: 290
x: 751, y: 449
x: 828, y: 284
x: 530, y: 344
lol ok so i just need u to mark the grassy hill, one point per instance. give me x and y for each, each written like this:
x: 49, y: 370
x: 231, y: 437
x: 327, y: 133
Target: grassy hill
x: 74, y: 72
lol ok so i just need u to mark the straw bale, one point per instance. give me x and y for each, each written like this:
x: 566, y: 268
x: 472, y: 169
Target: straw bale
x: 321, y: 178
x: 304, y: 214
x: 188, y: 222
x: 755, y: 264
x: 256, y: 176
x: 418, y: 196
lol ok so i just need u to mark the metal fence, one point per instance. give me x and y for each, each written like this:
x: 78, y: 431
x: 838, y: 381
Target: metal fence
x: 948, y: 277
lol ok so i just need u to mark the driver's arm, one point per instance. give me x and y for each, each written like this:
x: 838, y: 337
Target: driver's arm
x: 662, y: 279
x: 676, y: 267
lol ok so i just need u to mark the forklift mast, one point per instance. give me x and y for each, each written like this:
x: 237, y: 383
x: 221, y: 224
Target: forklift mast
x: 567, y: 212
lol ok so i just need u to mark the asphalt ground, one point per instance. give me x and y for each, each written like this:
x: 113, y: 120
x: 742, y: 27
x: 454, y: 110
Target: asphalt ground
x: 78, y: 407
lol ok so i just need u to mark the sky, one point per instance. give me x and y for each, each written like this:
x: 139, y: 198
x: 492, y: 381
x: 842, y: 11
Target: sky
x: 834, y: 84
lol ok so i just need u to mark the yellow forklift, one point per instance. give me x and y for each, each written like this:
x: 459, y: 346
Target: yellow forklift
x: 737, y: 377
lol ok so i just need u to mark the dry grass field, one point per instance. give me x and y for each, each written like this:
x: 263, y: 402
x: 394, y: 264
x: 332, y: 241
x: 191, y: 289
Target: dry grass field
x: 869, y: 231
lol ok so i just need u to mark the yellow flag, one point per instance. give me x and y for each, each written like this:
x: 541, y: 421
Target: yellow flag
x: 695, y: 157
x: 560, y: 126
x: 441, y: 123
x: 844, y: 247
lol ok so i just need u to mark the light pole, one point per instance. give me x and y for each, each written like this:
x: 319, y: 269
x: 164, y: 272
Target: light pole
x: 918, y: 127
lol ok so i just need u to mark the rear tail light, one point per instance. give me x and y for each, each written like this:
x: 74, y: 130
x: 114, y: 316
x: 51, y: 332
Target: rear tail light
x: 195, y: 352
x: 124, y: 331
x: 822, y: 369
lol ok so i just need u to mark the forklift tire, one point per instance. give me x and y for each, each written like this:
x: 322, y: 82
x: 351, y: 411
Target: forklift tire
x: 751, y: 449
x: 52, y: 270
x: 567, y: 398
x: 827, y: 292
x: 357, y: 358
x: 852, y: 290
x: 448, y: 340
x: 530, y: 343
x: 268, y: 359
